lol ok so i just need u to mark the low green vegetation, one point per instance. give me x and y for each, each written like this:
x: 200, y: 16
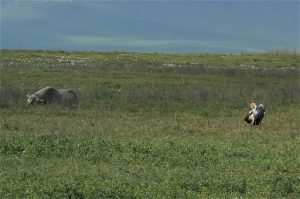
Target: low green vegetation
x: 150, y: 126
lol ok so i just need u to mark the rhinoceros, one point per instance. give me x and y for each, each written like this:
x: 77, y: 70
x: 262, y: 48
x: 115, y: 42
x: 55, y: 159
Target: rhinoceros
x: 50, y: 95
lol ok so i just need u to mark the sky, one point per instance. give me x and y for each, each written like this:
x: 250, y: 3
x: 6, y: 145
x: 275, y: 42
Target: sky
x: 184, y: 26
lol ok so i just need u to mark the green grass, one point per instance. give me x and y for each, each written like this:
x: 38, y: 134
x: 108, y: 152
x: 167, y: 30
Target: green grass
x: 117, y: 60
x: 149, y: 130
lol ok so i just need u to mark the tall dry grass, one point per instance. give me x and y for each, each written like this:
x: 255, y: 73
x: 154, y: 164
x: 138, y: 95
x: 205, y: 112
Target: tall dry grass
x: 163, y: 96
x: 9, y: 95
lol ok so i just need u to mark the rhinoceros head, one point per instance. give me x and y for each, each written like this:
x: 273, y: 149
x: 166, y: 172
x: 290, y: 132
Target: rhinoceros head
x: 34, y: 99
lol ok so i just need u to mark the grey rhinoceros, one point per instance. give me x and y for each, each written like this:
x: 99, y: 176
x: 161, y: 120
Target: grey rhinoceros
x: 50, y: 95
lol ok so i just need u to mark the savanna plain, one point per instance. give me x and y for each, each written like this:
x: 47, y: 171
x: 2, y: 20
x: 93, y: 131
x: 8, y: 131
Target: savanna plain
x: 150, y: 125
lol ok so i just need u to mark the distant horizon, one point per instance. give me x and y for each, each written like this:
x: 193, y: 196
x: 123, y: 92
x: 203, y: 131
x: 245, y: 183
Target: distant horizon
x: 274, y: 51
x: 195, y: 27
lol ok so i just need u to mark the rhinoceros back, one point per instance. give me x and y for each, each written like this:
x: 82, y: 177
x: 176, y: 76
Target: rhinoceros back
x: 67, y: 97
x: 50, y: 95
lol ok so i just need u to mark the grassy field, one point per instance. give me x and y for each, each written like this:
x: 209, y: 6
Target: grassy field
x: 150, y: 126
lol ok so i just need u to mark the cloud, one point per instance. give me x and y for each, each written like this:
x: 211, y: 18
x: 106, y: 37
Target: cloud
x: 18, y: 11
x: 123, y: 43
x: 118, y: 41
